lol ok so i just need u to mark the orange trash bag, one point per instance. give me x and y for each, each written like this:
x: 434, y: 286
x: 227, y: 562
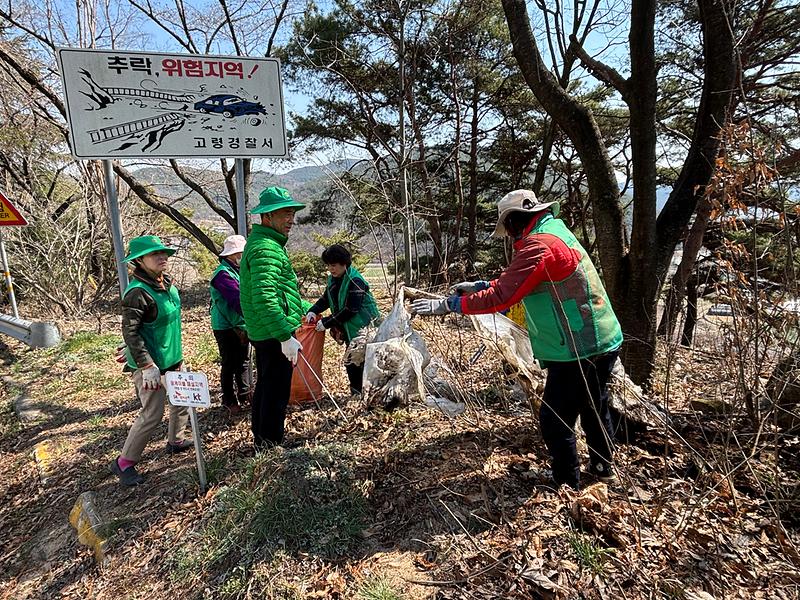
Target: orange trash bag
x: 313, y: 343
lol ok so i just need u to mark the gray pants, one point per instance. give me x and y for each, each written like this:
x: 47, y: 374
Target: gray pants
x: 149, y: 419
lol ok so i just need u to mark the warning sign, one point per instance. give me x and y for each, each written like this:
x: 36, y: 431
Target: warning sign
x: 185, y: 388
x: 8, y: 214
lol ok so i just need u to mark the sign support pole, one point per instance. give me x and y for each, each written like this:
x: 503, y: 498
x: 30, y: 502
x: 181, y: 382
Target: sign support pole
x: 241, y: 226
x: 7, y: 274
x: 241, y: 199
x: 198, y: 450
x: 116, y: 226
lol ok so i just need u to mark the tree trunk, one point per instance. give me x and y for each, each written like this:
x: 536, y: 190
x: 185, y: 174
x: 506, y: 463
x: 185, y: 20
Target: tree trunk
x: 637, y: 314
x: 472, y: 198
x: 719, y: 84
x: 691, y: 248
x: 579, y: 124
x: 691, y: 312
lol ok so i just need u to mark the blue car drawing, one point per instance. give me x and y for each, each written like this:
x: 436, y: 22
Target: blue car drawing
x: 229, y: 106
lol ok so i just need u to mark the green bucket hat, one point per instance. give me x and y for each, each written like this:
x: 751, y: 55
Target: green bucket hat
x: 275, y: 198
x: 145, y: 244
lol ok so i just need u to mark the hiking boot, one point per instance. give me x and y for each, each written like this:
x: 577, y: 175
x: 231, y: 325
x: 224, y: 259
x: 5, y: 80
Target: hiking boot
x: 181, y: 446
x: 233, y: 409
x: 129, y: 477
x: 603, y: 472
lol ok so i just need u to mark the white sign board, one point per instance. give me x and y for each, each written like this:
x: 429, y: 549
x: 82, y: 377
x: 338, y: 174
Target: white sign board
x: 185, y: 388
x: 148, y: 104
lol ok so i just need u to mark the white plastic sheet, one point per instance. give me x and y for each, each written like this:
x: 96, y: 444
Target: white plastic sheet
x: 394, y: 360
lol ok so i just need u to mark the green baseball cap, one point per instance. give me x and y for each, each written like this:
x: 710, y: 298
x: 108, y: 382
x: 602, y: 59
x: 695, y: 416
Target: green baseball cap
x: 275, y: 198
x: 145, y: 244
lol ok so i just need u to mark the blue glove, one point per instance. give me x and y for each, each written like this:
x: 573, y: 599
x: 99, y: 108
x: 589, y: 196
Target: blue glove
x: 465, y: 288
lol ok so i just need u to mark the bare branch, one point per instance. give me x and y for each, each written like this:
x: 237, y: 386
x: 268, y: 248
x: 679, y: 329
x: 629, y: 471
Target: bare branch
x: 599, y: 69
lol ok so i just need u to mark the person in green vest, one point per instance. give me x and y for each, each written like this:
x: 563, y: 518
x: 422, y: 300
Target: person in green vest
x: 350, y: 302
x: 273, y: 310
x: 573, y: 330
x: 151, y: 329
x: 227, y: 323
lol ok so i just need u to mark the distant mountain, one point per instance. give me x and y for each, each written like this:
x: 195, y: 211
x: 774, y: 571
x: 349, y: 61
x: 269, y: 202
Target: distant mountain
x: 304, y: 182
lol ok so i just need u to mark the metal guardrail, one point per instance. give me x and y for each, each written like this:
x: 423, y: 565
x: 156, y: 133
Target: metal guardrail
x: 34, y: 333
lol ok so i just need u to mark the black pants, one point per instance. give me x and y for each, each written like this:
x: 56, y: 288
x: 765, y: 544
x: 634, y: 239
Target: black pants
x: 271, y: 395
x: 233, y: 355
x: 355, y: 374
x: 573, y: 389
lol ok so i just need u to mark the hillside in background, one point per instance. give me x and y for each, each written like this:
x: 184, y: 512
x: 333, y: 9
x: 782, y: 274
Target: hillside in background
x: 304, y: 183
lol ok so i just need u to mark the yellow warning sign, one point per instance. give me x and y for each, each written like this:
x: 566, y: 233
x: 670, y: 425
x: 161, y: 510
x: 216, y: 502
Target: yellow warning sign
x: 8, y: 214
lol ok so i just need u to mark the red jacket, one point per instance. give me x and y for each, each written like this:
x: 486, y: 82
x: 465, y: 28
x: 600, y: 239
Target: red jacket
x: 537, y: 258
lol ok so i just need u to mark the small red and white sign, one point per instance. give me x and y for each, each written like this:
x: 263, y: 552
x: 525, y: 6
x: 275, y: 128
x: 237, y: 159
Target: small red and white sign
x: 185, y: 388
x: 9, y: 215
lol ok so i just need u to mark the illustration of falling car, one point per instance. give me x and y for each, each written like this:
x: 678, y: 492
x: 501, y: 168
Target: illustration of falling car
x: 229, y: 106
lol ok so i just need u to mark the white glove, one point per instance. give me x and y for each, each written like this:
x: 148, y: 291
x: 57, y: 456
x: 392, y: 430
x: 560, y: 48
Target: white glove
x: 311, y: 317
x: 320, y: 326
x: 151, y: 378
x: 428, y: 307
x: 290, y: 348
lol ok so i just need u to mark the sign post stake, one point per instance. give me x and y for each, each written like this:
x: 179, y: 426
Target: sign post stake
x: 198, y: 449
x: 7, y: 275
x: 116, y: 226
x: 185, y: 388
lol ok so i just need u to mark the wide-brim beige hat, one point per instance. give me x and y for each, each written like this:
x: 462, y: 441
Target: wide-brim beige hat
x: 520, y: 201
x: 233, y: 245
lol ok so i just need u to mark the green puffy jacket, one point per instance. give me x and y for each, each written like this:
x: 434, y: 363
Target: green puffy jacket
x: 271, y: 302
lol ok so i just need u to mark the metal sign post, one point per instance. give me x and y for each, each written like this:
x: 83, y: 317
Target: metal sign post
x: 7, y: 275
x: 198, y: 449
x: 241, y: 227
x: 185, y: 388
x: 116, y: 226
x: 241, y: 199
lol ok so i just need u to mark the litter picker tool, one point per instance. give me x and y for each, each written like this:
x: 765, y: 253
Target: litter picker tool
x: 324, y: 387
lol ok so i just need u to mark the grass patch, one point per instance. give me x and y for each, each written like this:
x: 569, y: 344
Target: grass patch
x: 87, y: 346
x: 378, y: 588
x: 204, y: 353
x: 589, y: 553
x: 298, y: 500
x: 217, y: 468
x: 9, y: 424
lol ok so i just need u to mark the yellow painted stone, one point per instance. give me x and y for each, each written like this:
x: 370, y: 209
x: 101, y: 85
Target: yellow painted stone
x: 44, y: 460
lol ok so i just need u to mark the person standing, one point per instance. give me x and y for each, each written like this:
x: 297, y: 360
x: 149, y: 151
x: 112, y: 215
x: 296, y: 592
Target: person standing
x: 351, y: 304
x: 151, y: 329
x: 273, y: 310
x: 573, y: 330
x: 227, y: 323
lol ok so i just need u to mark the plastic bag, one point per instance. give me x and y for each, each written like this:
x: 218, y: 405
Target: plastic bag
x: 394, y: 360
x: 307, y: 376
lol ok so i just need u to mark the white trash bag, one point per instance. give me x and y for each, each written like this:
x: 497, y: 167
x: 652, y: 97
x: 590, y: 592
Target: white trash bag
x: 394, y: 360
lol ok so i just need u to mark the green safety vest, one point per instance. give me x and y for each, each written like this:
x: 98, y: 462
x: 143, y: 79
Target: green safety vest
x: 369, y: 312
x: 222, y: 315
x: 162, y: 337
x: 570, y: 319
